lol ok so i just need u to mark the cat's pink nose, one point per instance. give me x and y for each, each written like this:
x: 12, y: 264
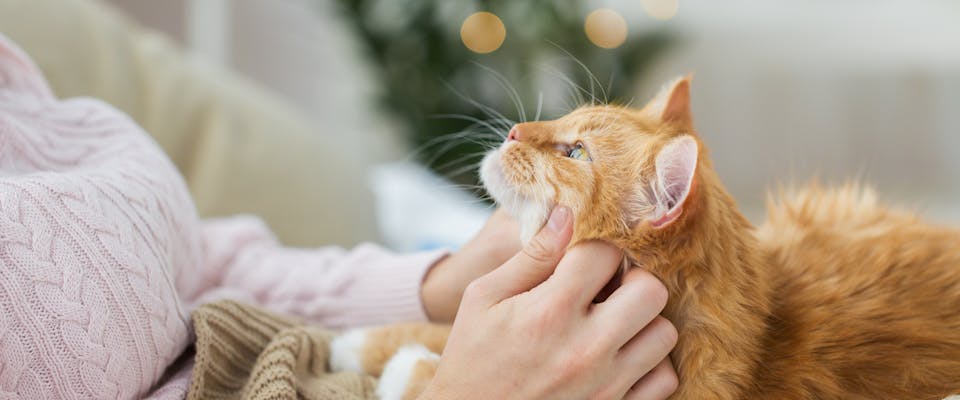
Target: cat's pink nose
x: 514, y: 133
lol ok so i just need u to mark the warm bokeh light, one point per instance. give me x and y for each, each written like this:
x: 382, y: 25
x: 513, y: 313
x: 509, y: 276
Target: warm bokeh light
x: 606, y: 28
x: 483, y: 32
x: 661, y: 9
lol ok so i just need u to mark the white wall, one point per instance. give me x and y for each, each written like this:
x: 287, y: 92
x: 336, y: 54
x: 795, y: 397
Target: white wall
x: 787, y: 90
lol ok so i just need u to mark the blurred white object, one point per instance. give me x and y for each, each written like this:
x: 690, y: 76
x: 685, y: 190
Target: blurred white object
x: 208, y: 29
x: 419, y: 210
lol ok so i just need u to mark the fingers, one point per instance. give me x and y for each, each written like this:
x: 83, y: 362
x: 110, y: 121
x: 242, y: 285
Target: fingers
x: 646, y: 350
x: 657, y: 384
x: 641, y: 356
x: 632, y: 306
x: 586, y: 269
x: 501, y: 217
x: 532, y: 265
x: 499, y: 239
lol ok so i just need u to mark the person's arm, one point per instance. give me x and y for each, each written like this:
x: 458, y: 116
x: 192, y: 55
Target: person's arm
x: 339, y: 288
x: 331, y: 286
x: 530, y: 329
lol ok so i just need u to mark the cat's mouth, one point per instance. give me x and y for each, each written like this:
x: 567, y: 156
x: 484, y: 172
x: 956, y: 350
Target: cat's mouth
x: 494, y: 179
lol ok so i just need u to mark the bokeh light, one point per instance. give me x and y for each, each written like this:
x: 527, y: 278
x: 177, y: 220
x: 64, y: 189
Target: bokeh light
x: 482, y: 32
x: 661, y: 9
x: 606, y: 28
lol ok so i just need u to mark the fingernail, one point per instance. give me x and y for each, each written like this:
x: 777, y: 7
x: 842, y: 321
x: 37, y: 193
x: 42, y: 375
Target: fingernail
x: 558, y: 218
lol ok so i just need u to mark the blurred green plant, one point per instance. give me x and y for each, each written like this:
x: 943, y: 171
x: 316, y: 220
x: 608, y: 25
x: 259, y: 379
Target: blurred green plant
x: 436, y: 86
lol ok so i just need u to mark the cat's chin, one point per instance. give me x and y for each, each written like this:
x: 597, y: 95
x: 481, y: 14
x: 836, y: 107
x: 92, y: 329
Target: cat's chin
x: 530, y: 214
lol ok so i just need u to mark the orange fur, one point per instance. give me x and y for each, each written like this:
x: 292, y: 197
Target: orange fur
x: 383, y: 342
x: 423, y: 372
x: 835, y: 297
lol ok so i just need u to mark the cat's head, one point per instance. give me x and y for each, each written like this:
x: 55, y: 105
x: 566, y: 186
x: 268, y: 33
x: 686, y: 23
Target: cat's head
x: 620, y: 170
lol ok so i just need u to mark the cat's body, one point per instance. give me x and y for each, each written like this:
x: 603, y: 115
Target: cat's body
x: 835, y: 297
x: 838, y: 297
x: 866, y: 301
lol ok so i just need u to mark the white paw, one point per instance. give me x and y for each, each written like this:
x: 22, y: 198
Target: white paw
x: 396, y: 374
x: 346, y: 351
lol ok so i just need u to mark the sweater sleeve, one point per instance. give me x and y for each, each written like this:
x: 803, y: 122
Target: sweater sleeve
x: 334, y: 287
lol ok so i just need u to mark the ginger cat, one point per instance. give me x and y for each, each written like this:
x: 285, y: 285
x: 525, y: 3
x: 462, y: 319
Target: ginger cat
x: 836, y: 297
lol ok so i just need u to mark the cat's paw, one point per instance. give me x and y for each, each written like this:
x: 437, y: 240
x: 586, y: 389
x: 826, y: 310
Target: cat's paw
x: 346, y: 351
x: 408, y: 370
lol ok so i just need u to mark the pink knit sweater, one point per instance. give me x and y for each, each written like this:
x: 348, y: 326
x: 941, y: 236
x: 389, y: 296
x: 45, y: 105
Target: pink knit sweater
x: 102, y: 256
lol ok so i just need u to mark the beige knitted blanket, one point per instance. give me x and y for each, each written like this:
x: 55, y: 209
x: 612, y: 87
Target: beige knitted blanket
x: 244, y: 352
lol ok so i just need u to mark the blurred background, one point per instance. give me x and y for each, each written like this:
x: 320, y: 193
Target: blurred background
x: 342, y: 121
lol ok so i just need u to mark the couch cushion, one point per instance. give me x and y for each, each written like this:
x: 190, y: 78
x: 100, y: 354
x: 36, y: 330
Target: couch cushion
x: 240, y: 148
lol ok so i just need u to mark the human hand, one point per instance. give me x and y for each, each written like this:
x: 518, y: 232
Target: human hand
x: 529, y: 330
x: 443, y: 286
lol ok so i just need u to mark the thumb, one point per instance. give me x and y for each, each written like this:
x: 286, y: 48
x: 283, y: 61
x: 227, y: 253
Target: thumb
x: 534, y: 263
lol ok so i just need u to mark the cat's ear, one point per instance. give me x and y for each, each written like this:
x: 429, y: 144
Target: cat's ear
x: 672, y: 103
x: 676, y: 165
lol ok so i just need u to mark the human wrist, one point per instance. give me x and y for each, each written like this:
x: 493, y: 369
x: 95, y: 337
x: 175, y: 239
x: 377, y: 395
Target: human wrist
x: 435, y: 291
x: 444, y: 283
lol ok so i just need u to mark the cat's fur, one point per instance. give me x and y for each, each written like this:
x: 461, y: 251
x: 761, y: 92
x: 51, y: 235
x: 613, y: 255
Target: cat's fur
x: 835, y: 297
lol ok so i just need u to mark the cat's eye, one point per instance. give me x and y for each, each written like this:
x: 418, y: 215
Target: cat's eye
x: 578, y: 152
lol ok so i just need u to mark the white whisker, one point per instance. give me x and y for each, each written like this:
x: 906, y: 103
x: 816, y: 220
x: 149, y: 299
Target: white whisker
x: 575, y: 88
x: 511, y: 91
x: 484, y: 108
x: 592, y: 77
x: 539, y: 106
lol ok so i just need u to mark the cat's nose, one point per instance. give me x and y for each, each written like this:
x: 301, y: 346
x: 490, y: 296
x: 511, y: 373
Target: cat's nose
x: 514, y: 133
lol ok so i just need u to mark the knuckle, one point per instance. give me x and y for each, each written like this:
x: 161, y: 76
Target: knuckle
x: 659, y: 293
x: 561, y: 301
x: 545, y: 320
x: 662, y: 382
x: 654, y: 291
x: 539, y: 251
x: 600, y: 251
x: 476, y: 289
x: 574, y: 365
x: 591, y: 355
x: 669, y: 383
x: 664, y: 332
x: 610, y: 251
x: 611, y: 339
x: 596, y: 349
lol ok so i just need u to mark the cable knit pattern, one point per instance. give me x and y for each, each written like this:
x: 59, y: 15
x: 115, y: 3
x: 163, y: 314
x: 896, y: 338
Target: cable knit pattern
x: 102, y: 256
x: 90, y: 246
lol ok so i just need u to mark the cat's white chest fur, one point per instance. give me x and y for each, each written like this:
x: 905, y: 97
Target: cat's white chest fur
x: 531, y: 212
x: 531, y: 216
